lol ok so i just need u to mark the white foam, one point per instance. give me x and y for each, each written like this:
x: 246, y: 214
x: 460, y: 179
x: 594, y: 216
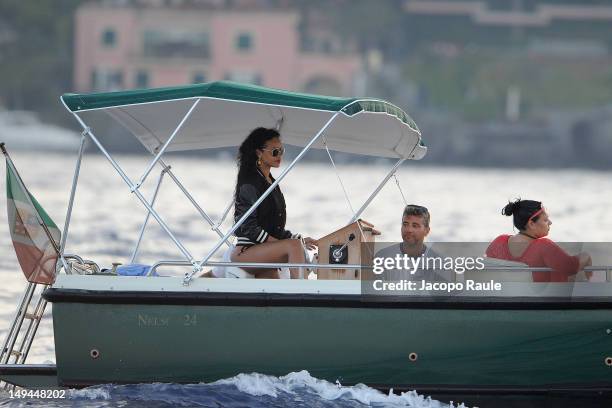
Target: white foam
x: 259, y: 384
x: 256, y: 384
x: 92, y: 393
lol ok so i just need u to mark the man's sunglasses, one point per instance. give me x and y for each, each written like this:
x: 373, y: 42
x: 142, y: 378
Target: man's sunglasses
x: 278, y: 151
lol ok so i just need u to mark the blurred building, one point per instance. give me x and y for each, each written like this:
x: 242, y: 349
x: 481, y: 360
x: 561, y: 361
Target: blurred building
x: 560, y: 28
x: 125, y: 44
x: 528, y: 13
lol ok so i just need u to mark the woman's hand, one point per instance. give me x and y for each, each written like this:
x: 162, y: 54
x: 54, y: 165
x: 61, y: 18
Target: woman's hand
x: 584, y: 260
x: 310, y: 243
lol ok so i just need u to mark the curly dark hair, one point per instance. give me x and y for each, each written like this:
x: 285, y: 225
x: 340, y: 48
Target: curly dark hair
x: 247, y: 155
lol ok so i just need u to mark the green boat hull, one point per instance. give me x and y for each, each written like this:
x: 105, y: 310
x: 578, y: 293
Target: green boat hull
x: 386, y: 346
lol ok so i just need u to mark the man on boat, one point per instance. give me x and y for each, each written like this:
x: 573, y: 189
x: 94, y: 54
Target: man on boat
x: 414, y: 230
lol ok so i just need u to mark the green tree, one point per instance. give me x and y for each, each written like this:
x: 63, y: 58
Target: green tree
x: 36, y: 53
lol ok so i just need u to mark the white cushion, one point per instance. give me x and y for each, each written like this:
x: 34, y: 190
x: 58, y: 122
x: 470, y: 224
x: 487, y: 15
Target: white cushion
x: 230, y: 271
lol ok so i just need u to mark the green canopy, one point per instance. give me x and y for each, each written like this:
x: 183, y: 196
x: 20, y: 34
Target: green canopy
x: 227, y: 111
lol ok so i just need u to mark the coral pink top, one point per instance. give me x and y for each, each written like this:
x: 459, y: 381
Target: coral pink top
x: 541, y: 252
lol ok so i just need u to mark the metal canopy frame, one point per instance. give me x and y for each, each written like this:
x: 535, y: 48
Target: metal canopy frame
x: 134, y: 187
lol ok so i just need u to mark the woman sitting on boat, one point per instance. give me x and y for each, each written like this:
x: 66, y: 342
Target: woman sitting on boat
x: 531, y: 247
x: 263, y: 237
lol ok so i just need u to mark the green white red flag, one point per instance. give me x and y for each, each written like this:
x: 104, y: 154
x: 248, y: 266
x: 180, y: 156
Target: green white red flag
x: 35, y: 236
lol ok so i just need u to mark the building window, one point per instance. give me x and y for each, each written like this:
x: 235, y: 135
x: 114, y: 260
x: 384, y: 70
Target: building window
x: 198, y: 78
x: 244, y: 42
x: 142, y: 79
x: 106, y: 79
x: 176, y: 44
x: 109, y: 37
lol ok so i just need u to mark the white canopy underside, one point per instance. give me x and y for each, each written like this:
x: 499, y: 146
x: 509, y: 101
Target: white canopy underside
x: 218, y: 123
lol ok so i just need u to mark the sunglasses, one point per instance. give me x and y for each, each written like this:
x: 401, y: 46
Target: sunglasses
x: 278, y: 151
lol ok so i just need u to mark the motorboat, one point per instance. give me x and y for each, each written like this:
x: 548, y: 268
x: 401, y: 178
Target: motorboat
x: 110, y: 328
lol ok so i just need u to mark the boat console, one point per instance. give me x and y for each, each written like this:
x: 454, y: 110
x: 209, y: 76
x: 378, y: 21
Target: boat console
x: 344, y: 247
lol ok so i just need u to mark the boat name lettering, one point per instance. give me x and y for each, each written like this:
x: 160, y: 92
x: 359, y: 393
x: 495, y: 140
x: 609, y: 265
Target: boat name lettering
x: 145, y: 320
x: 190, y: 319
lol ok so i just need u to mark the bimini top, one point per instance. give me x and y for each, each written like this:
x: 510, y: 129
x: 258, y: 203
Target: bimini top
x: 227, y: 111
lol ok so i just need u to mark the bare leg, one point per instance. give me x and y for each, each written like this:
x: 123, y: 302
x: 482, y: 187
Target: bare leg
x: 282, y: 251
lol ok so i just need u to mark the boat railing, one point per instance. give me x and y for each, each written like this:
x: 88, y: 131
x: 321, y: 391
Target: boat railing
x: 268, y: 265
x: 264, y: 265
x: 607, y: 269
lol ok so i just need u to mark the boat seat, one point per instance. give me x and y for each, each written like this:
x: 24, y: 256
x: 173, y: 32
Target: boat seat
x: 500, y: 275
x: 495, y: 262
x: 230, y: 271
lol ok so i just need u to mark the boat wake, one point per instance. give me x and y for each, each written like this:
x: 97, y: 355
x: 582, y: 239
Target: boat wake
x: 297, y: 389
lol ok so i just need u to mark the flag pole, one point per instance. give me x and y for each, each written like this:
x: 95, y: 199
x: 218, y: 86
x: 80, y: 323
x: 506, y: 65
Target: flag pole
x: 38, y: 217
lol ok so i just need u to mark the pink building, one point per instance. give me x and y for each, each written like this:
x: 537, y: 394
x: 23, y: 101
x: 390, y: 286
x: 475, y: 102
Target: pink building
x: 123, y: 47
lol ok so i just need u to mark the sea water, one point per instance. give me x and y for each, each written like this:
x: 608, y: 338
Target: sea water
x: 465, y: 205
x: 297, y: 389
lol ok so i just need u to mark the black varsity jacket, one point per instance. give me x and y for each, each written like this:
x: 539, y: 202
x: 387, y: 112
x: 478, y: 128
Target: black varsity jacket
x: 269, y: 217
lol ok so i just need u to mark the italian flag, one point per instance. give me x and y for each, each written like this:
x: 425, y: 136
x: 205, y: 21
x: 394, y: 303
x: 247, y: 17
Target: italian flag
x: 35, y: 236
